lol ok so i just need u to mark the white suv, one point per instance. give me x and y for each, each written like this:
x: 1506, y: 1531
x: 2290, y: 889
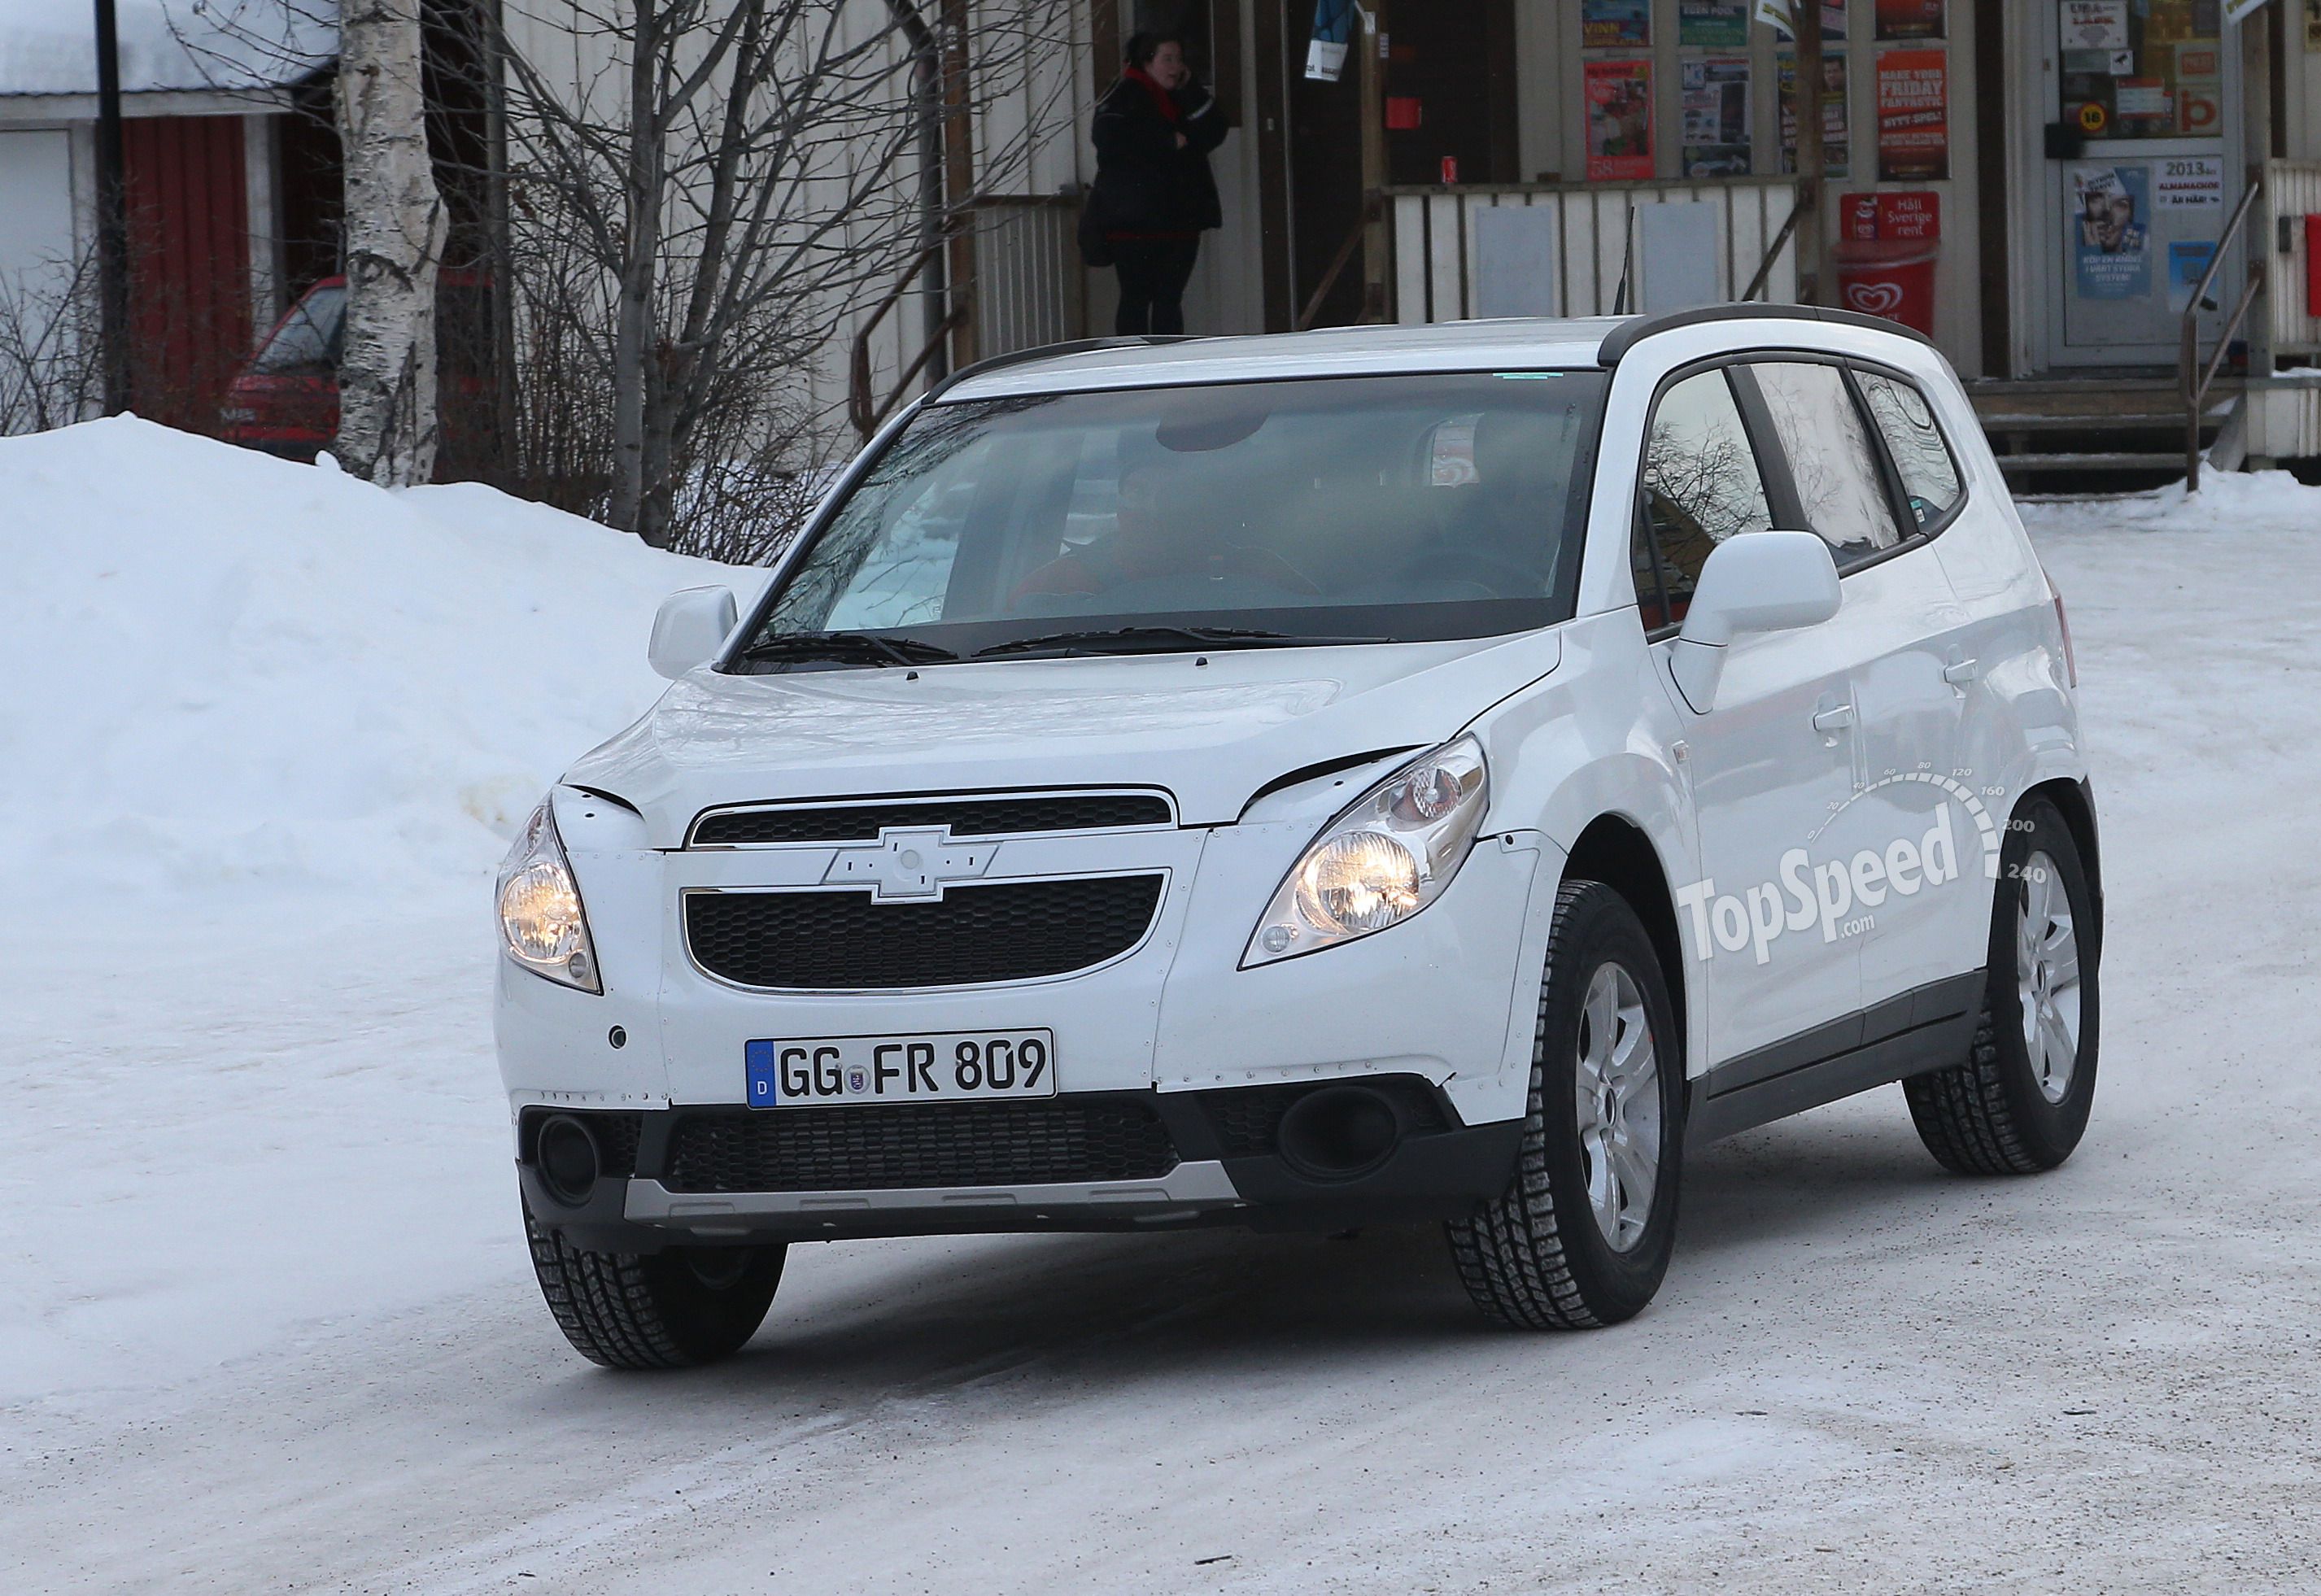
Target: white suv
x: 1403, y: 774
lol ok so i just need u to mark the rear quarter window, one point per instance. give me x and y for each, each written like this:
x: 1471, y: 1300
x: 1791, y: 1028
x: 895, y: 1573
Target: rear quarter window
x: 1930, y: 473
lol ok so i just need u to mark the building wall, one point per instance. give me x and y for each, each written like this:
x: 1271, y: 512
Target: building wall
x: 1551, y: 79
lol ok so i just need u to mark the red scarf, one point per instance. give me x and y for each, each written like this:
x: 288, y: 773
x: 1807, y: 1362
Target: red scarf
x: 1162, y: 100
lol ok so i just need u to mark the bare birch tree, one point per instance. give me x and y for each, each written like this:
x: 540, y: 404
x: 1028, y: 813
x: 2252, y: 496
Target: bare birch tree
x: 743, y: 174
x: 394, y: 231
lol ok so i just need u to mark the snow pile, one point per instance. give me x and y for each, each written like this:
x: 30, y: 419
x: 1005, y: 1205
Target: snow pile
x: 226, y: 671
x: 49, y: 47
x: 2228, y: 502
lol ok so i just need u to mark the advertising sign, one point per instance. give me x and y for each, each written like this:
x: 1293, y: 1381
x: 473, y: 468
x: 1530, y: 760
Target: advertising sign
x: 1836, y: 148
x: 2188, y: 183
x: 1712, y: 24
x: 1909, y: 218
x: 2095, y: 24
x: 2188, y: 263
x: 1619, y: 96
x: 1615, y: 23
x: 2108, y: 220
x: 1914, y: 135
x: 1715, y: 117
x: 1909, y: 19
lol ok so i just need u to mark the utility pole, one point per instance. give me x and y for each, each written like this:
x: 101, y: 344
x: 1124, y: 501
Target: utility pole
x: 1373, y: 47
x: 1804, y: 23
x: 959, y: 181
x: 112, y: 216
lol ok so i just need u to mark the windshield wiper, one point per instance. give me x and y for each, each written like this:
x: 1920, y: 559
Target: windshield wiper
x: 858, y: 647
x: 1138, y: 639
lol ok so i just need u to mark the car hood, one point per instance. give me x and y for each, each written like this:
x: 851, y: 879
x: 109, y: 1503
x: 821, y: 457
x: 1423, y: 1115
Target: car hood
x: 1211, y: 729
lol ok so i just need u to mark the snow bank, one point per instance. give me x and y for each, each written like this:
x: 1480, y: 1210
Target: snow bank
x: 49, y: 47
x: 225, y: 671
x: 2228, y: 502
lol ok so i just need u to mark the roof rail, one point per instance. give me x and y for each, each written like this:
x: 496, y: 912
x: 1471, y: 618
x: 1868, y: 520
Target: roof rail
x: 1629, y: 334
x: 1077, y: 345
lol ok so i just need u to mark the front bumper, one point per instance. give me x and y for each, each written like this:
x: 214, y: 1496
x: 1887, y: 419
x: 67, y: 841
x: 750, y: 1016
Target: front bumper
x: 1213, y: 1159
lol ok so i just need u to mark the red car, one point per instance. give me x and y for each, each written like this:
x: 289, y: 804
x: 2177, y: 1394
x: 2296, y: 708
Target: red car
x: 286, y: 400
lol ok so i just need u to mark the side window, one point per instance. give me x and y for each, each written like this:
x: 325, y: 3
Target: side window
x: 1930, y: 476
x: 1839, y: 484
x: 1701, y: 484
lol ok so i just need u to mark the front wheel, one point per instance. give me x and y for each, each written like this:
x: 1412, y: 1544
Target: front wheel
x: 1581, y: 1236
x: 2019, y: 1103
x: 672, y: 1309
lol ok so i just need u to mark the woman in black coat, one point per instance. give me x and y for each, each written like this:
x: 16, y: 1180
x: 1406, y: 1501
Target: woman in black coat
x: 1154, y: 195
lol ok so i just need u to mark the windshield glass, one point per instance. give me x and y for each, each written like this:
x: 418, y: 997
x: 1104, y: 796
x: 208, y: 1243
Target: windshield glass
x: 308, y: 339
x: 1343, y: 509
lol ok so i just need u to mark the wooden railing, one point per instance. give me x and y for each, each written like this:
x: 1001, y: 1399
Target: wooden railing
x: 1580, y: 236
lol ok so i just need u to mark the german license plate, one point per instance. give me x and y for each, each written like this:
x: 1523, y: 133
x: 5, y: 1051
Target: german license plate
x: 939, y: 1067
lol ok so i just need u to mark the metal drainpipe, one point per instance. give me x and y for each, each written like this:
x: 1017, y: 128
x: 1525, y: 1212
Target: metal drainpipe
x: 926, y: 72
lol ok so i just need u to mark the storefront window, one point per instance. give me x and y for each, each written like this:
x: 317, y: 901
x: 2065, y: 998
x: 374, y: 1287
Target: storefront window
x: 2142, y: 68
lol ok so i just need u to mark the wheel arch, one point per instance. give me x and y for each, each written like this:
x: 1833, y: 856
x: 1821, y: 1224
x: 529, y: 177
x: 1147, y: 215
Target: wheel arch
x: 2074, y: 800
x: 1615, y: 851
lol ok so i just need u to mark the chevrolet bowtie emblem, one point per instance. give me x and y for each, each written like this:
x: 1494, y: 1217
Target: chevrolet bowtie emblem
x: 909, y: 863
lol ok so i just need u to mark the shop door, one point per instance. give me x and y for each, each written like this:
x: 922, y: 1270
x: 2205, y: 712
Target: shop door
x: 2141, y: 102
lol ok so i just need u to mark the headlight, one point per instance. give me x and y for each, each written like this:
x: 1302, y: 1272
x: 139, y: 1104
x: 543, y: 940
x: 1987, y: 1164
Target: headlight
x: 541, y: 922
x: 1388, y: 856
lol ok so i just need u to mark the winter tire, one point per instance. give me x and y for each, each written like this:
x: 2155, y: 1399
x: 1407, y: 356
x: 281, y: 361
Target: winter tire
x: 1581, y: 1236
x: 673, y: 1309
x: 2019, y: 1103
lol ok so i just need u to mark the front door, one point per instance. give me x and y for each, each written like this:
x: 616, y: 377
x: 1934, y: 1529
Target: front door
x: 2140, y: 100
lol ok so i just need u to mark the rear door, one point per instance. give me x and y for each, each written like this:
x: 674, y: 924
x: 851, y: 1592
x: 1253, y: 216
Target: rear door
x: 1890, y: 856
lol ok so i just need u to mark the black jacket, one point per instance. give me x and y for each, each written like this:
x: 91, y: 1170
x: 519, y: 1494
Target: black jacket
x: 1144, y: 184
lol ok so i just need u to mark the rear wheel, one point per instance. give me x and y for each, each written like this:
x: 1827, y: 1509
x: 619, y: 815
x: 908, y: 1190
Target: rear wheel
x: 2019, y: 1103
x: 672, y: 1309
x: 1581, y: 1236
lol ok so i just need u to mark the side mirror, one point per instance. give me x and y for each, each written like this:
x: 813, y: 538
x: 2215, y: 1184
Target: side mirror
x: 691, y: 626
x: 1755, y: 582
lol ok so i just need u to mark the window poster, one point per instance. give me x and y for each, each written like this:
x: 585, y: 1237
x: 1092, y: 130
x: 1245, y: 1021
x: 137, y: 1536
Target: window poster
x: 1914, y: 135
x: 1720, y: 24
x: 2188, y: 263
x: 1834, y: 137
x: 1619, y: 97
x: 1715, y: 117
x: 1910, y: 19
x: 1615, y: 23
x: 2108, y: 221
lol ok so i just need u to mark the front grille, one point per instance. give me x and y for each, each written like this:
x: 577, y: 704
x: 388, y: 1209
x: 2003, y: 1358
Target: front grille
x: 966, y: 817
x: 1013, y: 930
x: 879, y: 1147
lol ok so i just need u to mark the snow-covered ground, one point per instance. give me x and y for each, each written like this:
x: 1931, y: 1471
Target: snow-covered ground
x: 265, y: 1323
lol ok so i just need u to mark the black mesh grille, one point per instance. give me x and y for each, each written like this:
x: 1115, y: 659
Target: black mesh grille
x: 877, y: 1146
x: 1248, y: 1119
x: 1016, y: 930
x: 966, y: 817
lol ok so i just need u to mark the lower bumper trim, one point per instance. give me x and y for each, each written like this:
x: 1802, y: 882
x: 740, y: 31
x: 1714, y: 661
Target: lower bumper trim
x: 1199, y: 1184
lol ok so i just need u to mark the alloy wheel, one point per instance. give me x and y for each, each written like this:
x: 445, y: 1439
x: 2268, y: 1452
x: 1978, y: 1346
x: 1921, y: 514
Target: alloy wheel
x: 1617, y: 1091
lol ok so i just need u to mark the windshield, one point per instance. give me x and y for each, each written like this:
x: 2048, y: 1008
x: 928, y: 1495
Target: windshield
x: 308, y: 339
x: 1345, y: 509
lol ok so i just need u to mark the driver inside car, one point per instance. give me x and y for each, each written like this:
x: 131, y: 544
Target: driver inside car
x: 1158, y: 532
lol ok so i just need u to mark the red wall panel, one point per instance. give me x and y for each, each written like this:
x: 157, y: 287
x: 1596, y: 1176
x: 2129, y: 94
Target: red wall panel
x: 189, y: 264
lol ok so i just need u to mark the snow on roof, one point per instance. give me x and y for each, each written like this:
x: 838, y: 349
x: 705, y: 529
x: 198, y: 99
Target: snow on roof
x: 49, y: 47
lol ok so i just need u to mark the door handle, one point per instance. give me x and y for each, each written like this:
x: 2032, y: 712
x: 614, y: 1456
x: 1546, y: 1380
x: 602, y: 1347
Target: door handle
x: 1833, y: 720
x: 1957, y: 673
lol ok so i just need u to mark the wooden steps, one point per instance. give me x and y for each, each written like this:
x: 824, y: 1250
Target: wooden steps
x: 2108, y: 432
